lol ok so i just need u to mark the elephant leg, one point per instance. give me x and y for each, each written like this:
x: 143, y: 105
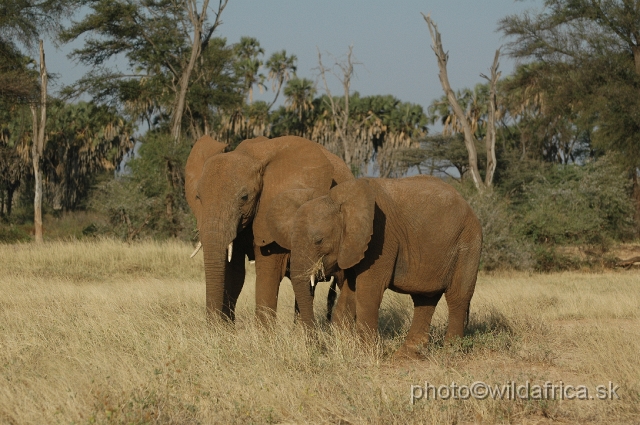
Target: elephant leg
x: 368, y: 299
x: 234, y: 281
x: 344, y: 314
x: 271, y: 266
x: 459, y: 294
x: 458, y: 311
x: 331, y: 299
x: 423, y: 308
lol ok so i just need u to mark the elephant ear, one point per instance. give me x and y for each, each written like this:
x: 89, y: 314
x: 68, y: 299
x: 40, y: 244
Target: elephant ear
x: 357, y: 201
x: 341, y: 172
x: 204, y: 148
x: 282, y: 211
x: 288, y: 162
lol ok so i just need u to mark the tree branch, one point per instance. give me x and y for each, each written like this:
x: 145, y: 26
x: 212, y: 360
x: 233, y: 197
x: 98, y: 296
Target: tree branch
x: 469, y: 138
x: 490, y: 138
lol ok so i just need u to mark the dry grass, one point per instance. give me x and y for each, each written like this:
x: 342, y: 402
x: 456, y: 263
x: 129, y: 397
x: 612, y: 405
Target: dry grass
x: 109, y: 333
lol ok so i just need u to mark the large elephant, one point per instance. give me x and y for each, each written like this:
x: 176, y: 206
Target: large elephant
x: 229, y: 194
x: 413, y: 235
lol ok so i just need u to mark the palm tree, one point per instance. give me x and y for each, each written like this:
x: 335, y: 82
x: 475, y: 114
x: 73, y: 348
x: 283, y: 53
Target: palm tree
x: 83, y: 139
x: 474, y: 105
x: 280, y: 68
x: 248, y: 51
x: 300, y: 93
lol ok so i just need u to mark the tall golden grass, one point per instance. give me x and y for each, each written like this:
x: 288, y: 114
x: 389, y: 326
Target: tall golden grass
x: 108, y: 333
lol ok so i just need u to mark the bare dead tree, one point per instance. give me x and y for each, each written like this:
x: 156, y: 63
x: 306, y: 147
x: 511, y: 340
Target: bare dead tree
x: 469, y: 138
x: 201, y: 38
x: 37, y: 147
x: 340, y: 113
x: 490, y: 138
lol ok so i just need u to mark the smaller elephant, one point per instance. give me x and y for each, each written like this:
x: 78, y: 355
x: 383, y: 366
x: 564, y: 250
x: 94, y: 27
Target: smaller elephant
x: 414, y: 235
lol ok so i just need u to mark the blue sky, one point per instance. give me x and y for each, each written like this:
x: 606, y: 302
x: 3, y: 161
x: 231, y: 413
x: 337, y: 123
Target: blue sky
x: 389, y: 38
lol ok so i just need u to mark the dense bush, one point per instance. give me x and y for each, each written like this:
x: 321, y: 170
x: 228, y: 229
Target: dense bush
x: 539, y: 207
x: 502, y: 248
x: 147, y: 199
x: 574, y: 204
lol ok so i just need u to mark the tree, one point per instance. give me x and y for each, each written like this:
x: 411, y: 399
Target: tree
x: 22, y: 23
x: 158, y: 37
x: 37, y: 146
x: 344, y: 127
x: 15, y: 133
x: 299, y: 93
x: 248, y: 51
x: 467, y: 130
x: 588, y: 54
x: 25, y: 21
x: 297, y: 116
x: 84, y: 140
x: 281, y: 67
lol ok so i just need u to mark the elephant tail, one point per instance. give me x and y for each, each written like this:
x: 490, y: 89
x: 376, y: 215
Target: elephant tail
x: 331, y: 298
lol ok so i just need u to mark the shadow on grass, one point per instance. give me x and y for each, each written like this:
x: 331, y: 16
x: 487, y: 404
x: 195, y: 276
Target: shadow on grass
x: 487, y: 330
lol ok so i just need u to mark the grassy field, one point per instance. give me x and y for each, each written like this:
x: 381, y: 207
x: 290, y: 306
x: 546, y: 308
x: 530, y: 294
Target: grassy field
x: 107, y: 333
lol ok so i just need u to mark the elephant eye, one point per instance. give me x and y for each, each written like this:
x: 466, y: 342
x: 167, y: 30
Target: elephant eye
x: 244, y: 197
x: 318, y: 241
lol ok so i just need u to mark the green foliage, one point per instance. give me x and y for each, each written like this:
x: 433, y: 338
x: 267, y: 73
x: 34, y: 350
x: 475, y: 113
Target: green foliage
x: 155, y: 37
x: 584, y: 75
x: 13, y: 234
x: 149, y: 200
x: 502, y: 247
x: 22, y: 23
x: 84, y: 140
x: 539, y: 207
x: 576, y: 204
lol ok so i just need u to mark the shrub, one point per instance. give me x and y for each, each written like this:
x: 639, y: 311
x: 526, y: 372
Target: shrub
x: 12, y: 234
x: 577, y: 204
x: 502, y: 248
x: 148, y: 199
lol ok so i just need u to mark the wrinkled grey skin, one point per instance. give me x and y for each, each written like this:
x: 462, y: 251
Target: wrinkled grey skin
x: 414, y: 235
x: 229, y: 194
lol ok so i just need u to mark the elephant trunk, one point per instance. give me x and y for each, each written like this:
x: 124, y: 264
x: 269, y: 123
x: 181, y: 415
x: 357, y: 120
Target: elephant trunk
x: 300, y: 280
x: 216, y: 245
x: 215, y: 265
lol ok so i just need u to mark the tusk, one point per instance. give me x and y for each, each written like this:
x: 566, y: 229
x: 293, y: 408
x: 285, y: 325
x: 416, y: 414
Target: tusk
x: 312, y: 288
x: 229, y: 252
x: 331, y: 280
x: 195, y: 251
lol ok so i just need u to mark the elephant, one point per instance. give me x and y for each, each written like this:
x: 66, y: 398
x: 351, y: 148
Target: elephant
x: 229, y: 194
x: 413, y: 235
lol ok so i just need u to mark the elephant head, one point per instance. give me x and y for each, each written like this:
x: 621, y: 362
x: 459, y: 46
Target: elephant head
x: 235, y: 190
x: 324, y: 233
x: 204, y: 148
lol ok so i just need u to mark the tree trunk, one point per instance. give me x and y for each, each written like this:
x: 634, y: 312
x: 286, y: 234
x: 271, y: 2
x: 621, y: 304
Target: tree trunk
x: 183, y: 86
x: 636, y: 58
x: 9, y: 201
x: 37, y: 147
x: 198, y: 44
x: 469, y: 138
x: 491, y: 123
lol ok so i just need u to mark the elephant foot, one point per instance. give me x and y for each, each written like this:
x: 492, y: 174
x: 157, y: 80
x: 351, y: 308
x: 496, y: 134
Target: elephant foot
x: 407, y: 352
x: 266, y: 318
